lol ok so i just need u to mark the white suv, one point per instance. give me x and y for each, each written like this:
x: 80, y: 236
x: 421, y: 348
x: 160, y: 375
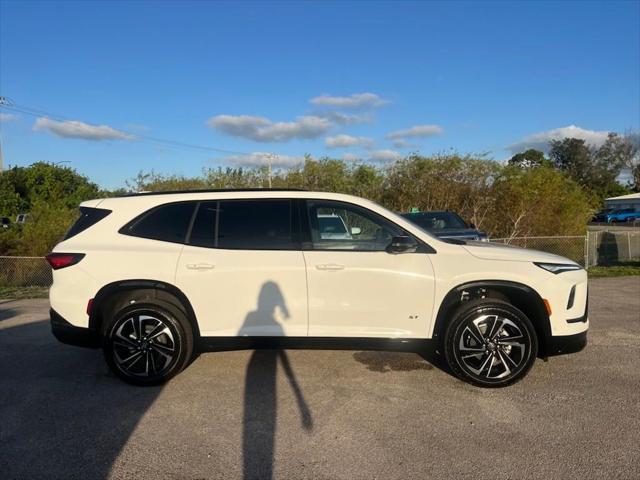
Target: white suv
x: 155, y: 278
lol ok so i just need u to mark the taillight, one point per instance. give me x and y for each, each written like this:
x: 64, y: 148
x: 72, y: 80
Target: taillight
x: 62, y: 260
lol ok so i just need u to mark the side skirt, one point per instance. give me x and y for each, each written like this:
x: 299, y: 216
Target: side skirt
x: 213, y: 344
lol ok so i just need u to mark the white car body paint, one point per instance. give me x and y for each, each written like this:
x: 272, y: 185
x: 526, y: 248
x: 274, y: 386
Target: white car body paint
x: 327, y: 293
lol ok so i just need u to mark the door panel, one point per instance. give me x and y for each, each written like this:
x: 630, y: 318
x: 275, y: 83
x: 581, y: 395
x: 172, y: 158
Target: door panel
x: 369, y: 294
x: 356, y: 288
x: 245, y: 292
x: 243, y: 271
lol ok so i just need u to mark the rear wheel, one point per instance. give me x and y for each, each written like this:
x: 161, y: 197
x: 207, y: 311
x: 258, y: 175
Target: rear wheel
x: 147, y: 343
x: 490, y: 343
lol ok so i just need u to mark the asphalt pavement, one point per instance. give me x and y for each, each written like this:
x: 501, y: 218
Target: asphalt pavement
x: 316, y: 414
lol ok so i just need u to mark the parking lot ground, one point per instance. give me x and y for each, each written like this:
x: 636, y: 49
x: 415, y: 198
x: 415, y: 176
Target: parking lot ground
x: 321, y: 414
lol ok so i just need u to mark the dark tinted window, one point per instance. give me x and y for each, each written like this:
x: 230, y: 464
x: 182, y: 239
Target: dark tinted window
x: 436, y: 220
x: 255, y: 225
x: 203, y: 231
x: 88, y: 217
x: 167, y: 222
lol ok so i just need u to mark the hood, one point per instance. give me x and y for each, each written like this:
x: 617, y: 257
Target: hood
x: 497, y: 251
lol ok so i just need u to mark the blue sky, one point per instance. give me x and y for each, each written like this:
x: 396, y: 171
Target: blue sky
x: 350, y: 80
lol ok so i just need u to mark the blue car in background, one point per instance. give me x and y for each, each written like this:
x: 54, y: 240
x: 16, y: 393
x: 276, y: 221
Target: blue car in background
x: 622, y: 215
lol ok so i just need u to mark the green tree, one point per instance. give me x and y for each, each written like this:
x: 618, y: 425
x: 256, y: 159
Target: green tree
x: 635, y: 171
x: 529, y: 159
x: 50, y: 194
x: 442, y: 182
x: 538, y: 201
x: 572, y: 156
x: 596, y: 169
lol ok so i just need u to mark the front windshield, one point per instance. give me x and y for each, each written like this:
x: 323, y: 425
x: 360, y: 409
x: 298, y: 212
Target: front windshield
x: 436, y: 220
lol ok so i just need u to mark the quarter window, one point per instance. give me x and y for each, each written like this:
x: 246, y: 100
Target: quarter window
x: 168, y: 223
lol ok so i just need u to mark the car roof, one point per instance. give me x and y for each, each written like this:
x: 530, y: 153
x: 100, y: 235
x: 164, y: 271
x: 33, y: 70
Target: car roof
x: 213, y: 190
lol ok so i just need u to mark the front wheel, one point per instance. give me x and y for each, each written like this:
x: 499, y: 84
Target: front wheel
x: 490, y: 343
x: 147, y: 344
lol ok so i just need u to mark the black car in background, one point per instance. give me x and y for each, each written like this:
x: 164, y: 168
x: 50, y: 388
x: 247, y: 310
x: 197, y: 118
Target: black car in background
x: 446, y: 225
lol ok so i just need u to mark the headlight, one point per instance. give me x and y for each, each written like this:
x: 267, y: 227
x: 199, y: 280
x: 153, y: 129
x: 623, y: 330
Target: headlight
x: 558, y: 267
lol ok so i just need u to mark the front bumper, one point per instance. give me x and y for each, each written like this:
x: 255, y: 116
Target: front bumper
x: 72, y: 335
x: 562, y: 344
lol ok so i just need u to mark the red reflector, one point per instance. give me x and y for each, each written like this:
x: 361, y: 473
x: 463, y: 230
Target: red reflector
x: 62, y: 260
x: 89, y: 306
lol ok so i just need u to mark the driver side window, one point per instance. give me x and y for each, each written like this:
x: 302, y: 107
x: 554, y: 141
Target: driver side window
x: 342, y: 226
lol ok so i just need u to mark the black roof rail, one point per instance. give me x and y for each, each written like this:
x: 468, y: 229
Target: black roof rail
x: 214, y: 190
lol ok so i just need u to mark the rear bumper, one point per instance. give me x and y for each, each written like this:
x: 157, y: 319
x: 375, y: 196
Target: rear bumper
x: 72, y: 335
x: 560, y: 345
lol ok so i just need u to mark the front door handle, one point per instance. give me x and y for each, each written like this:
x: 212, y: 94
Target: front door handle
x: 200, y: 266
x: 330, y: 266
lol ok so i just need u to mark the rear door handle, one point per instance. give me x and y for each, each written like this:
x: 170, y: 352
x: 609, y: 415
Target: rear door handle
x: 200, y: 266
x: 330, y: 266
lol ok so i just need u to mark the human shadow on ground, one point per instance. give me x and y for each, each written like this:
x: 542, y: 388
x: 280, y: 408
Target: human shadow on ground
x: 260, y: 393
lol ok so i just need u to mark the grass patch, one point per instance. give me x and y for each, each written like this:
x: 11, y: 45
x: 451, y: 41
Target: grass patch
x: 18, y: 293
x: 621, y: 269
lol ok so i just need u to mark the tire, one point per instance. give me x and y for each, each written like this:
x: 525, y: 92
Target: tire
x: 490, y: 343
x: 161, y: 352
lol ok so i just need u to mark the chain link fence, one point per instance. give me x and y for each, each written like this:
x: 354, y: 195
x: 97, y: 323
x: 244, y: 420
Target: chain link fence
x: 25, y: 272
x: 603, y: 247
x: 572, y: 247
x: 606, y: 247
x: 609, y: 247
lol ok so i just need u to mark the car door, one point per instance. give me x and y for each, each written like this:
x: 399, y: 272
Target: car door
x: 243, y: 271
x: 356, y: 288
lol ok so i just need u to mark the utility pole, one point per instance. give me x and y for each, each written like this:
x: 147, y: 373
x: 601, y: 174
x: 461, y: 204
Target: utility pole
x: 270, y: 158
x: 4, y: 102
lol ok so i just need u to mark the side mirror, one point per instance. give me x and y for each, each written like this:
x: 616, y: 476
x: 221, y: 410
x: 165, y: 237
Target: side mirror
x: 356, y: 230
x: 472, y: 225
x: 402, y: 245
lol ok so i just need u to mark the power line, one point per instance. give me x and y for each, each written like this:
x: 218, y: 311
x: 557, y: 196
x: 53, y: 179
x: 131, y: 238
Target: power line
x: 8, y: 104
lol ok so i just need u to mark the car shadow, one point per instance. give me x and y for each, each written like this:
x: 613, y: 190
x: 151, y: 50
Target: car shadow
x: 64, y: 415
x: 7, y: 313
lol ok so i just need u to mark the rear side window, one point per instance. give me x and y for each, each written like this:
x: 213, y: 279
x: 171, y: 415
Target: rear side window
x: 244, y: 224
x: 168, y: 223
x: 88, y: 217
x: 203, y: 233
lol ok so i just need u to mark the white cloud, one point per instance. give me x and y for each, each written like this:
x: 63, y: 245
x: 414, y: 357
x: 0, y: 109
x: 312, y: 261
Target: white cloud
x: 357, y: 100
x: 401, y: 143
x: 384, y: 156
x: 5, y: 117
x: 417, y: 131
x: 540, y: 141
x: 261, y: 159
x: 343, y: 141
x: 340, y: 118
x: 76, y: 129
x: 262, y: 129
x: 350, y: 157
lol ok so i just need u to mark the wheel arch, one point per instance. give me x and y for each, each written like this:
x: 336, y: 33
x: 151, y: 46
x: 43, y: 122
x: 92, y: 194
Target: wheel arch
x: 113, y: 293
x: 519, y: 295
